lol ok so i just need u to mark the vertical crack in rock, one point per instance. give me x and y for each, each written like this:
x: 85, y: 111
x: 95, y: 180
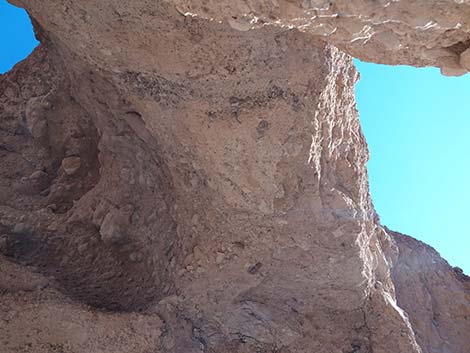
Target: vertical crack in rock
x: 178, y: 184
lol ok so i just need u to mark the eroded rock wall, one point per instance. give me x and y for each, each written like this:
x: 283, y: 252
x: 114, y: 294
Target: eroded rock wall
x: 418, y: 33
x: 434, y: 294
x: 210, y: 179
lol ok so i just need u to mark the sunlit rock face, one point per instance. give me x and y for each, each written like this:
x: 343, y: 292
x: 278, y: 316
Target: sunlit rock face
x: 418, y: 33
x: 190, y: 185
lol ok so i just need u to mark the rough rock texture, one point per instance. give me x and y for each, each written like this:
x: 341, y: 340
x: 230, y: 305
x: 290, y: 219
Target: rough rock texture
x: 412, y: 32
x: 178, y: 184
x: 434, y: 295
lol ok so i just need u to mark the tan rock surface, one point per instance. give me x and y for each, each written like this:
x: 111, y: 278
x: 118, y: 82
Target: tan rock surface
x: 413, y: 32
x: 435, y: 295
x: 220, y: 202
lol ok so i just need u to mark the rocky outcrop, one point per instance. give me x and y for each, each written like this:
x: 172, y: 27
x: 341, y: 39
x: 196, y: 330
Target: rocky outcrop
x: 194, y: 187
x: 434, y: 294
x: 418, y: 33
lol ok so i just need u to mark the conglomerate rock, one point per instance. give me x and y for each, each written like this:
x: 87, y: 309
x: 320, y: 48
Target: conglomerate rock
x: 412, y: 32
x: 175, y: 183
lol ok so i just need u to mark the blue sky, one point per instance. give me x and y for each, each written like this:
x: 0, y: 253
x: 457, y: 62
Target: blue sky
x: 16, y: 36
x: 417, y: 125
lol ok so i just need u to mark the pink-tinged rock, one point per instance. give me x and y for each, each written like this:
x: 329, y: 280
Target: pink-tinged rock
x: 71, y: 165
x: 223, y: 201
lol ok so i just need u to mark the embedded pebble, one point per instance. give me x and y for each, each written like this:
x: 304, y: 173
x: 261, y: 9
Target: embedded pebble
x: 71, y: 165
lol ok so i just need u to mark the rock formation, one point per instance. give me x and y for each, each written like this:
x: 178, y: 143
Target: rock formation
x: 190, y: 177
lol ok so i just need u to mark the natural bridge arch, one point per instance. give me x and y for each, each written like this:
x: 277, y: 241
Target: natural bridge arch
x: 168, y: 160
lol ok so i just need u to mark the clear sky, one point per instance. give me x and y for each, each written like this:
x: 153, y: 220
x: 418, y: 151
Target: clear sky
x: 417, y: 124
x: 16, y: 36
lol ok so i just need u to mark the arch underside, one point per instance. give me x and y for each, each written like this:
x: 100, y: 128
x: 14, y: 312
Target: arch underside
x: 190, y: 176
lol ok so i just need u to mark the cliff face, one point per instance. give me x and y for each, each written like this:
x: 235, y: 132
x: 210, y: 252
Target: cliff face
x: 179, y: 184
x: 434, y: 295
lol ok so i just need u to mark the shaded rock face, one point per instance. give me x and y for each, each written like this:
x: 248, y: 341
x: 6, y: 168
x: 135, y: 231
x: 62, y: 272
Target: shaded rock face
x: 190, y: 186
x: 70, y: 205
x: 434, y: 295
